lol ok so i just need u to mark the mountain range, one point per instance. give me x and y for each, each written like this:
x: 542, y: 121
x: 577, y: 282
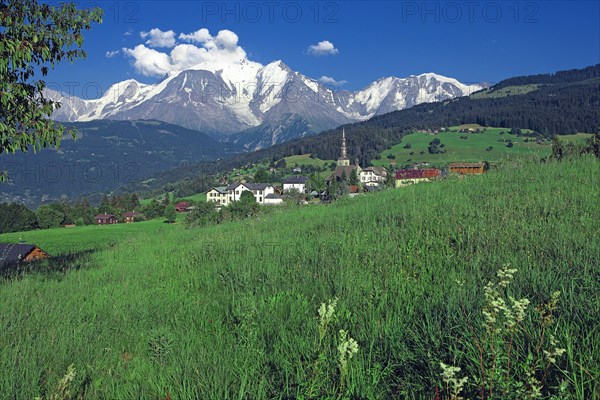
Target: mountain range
x: 253, y: 105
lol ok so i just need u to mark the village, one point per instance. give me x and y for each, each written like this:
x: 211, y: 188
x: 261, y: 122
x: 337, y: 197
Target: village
x: 347, y: 178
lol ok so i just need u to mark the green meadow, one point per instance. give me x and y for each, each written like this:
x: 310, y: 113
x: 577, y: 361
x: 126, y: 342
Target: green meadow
x: 295, y: 161
x: 489, y: 145
x: 230, y: 311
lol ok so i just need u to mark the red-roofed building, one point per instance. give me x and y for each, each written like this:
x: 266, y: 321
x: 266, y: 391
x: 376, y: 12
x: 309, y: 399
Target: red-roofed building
x: 406, y: 177
x: 182, y: 207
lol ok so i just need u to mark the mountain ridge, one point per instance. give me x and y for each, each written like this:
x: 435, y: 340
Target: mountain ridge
x: 235, y: 101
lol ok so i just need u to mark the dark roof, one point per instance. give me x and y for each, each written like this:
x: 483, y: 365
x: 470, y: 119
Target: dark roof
x: 130, y: 214
x: 182, y: 204
x: 12, y: 253
x: 257, y: 186
x: 417, y: 173
x: 339, y: 170
x: 295, y: 179
x: 353, y: 189
x: 104, y: 216
x: 220, y: 189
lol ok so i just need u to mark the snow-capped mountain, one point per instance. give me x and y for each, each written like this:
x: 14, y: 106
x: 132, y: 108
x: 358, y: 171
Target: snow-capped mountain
x: 255, y: 105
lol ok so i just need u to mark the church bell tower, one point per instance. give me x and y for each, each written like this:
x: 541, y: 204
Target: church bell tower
x: 343, y: 161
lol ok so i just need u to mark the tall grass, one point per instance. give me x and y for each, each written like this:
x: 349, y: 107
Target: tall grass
x: 230, y: 311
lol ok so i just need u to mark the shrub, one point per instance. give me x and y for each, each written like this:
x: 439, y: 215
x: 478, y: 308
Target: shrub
x: 204, y: 214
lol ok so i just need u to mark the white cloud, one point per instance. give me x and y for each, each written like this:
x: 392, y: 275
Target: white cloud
x: 200, y: 36
x: 158, y: 38
x: 220, y: 48
x: 149, y: 62
x: 323, y: 48
x: 330, y: 81
x: 128, y: 33
x: 111, y: 54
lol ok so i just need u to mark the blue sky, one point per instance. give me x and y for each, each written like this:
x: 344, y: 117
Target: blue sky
x: 472, y: 41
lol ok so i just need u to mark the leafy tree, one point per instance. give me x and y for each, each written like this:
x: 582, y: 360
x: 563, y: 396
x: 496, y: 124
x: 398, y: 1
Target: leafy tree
x: 16, y: 217
x: 593, y: 144
x: 353, y: 179
x: 245, y: 207
x: 407, y: 146
x: 204, y: 214
x: 261, y: 176
x: 154, y: 209
x: 48, y: 217
x: 344, y: 177
x: 170, y: 214
x: 391, y: 156
x: 295, y: 196
x: 167, y: 199
x: 316, y: 182
x: 33, y: 37
x: 390, y: 177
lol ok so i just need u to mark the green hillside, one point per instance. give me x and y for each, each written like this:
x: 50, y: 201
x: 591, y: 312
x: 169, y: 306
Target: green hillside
x: 491, y: 145
x: 230, y: 311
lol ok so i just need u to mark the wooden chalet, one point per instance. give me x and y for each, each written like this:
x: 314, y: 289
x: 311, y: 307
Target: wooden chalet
x: 467, y: 168
x: 129, y: 217
x: 105, y: 219
x: 13, y: 254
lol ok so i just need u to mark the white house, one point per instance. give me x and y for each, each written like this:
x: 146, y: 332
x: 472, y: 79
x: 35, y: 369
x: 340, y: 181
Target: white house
x: 217, y: 194
x: 372, y: 176
x: 295, y: 183
x: 259, y: 190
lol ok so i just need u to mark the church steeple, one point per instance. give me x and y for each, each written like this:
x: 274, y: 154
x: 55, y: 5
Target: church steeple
x: 343, y: 160
x: 344, y: 150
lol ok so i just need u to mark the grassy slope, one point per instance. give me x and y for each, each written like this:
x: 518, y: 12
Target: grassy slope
x: 294, y: 161
x: 235, y: 305
x: 91, y: 237
x: 471, y: 149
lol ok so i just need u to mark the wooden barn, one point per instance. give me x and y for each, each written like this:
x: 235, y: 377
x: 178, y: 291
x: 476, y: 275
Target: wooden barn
x: 12, y: 254
x: 467, y: 168
x: 105, y: 219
